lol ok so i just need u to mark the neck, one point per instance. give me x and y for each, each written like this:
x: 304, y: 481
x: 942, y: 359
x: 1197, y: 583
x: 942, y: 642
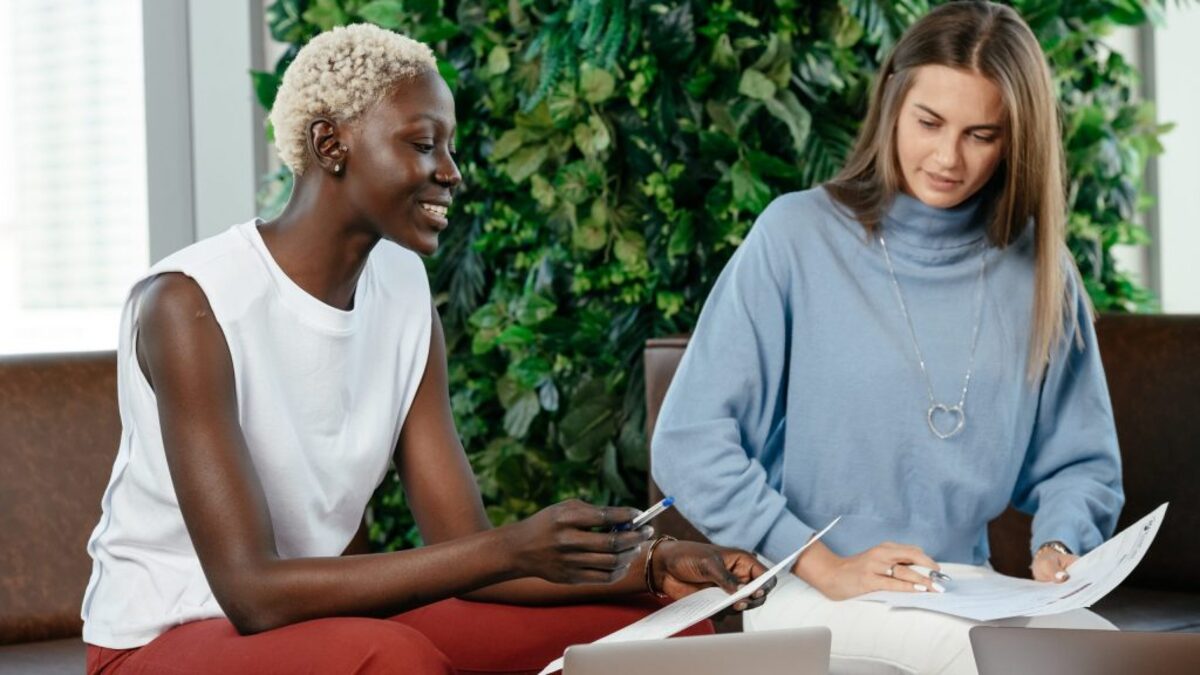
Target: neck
x: 319, y: 242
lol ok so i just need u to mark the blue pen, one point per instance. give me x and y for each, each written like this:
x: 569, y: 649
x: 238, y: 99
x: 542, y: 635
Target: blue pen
x: 647, y: 515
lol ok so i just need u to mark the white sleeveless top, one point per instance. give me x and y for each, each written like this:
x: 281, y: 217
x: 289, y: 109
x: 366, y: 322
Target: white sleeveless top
x: 322, y: 394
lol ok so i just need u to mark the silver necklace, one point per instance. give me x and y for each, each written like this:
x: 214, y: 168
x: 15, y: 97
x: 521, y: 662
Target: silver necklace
x: 957, y: 410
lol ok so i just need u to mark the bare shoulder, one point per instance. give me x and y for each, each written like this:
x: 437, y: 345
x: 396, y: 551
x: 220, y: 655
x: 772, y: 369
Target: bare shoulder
x: 176, y: 325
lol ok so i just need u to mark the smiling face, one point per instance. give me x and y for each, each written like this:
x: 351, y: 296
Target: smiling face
x: 950, y: 135
x: 400, y: 172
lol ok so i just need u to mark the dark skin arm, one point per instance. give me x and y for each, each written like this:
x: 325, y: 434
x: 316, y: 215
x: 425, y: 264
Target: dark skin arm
x: 182, y: 352
x: 445, y: 500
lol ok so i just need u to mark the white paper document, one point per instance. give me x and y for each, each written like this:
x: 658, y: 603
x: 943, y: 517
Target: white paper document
x: 993, y: 597
x: 694, y: 608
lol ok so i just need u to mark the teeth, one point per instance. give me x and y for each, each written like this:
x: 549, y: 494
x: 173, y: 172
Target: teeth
x: 435, y: 209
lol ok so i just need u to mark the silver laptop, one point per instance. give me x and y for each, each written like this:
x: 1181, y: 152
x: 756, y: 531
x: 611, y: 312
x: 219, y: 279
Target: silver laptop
x: 803, y: 651
x: 1057, y: 651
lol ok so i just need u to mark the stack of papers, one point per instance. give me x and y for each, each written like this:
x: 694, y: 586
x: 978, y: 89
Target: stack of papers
x: 994, y: 597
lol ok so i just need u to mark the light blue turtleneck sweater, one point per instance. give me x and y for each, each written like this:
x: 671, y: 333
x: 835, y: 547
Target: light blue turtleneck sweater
x: 800, y: 397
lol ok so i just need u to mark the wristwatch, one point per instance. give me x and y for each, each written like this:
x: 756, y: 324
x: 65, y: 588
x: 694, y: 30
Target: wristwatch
x: 1053, y: 545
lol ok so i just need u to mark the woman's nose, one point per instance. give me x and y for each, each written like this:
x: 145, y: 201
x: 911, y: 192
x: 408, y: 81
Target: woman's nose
x: 947, y: 154
x: 447, y: 173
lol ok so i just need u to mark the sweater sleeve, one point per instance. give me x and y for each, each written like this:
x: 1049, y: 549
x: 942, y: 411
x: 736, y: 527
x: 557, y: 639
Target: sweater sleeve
x: 725, y: 407
x: 1071, y: 478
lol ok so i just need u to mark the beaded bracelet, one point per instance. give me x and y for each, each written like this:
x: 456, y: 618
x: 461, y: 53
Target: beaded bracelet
x: 649, y: 561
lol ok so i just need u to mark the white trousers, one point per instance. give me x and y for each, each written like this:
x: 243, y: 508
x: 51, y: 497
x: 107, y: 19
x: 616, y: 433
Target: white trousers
x: 869, y: 638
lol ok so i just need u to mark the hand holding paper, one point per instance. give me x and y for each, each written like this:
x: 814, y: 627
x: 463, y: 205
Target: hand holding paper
x: 999, y: 597
x: 695, y: 607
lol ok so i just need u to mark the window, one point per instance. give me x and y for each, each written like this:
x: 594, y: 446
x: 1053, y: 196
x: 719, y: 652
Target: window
x: 73, y: 223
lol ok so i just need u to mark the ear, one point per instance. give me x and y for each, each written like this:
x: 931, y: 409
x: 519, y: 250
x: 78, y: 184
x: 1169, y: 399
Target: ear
x: 325, y: 145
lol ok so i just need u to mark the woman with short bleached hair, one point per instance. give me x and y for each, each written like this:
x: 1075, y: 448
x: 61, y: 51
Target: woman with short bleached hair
x: 909, y: 347
x: 269, y: 375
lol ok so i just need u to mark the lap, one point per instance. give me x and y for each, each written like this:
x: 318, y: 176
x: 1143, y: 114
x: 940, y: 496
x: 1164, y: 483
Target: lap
x: 870, y: 637
x: 332, y: 645
x: 482, y: 637
x: 451, y: 636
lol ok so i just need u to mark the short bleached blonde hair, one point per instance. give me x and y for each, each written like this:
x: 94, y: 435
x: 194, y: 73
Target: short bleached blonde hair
x: 339, y: 74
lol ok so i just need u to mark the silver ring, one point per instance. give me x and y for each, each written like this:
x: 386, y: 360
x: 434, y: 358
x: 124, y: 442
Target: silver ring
x: 891, y: 571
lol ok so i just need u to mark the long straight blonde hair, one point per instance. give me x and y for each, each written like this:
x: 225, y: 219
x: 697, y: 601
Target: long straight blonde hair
x: 1028, y: 187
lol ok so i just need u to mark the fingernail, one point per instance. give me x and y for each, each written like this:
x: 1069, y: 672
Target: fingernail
x: 649, y: 531
x: 1060, y: 575
x: 741, y: 606
x: 757, y: 594
x: 920, y: 588
x: 938, y: 587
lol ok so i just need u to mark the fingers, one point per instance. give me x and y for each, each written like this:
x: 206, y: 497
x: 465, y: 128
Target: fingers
x: 1052, y: 566
x: 713, y: 569
x: 910, y: 555
x: 606, y: 562
x: 909, y: 575
x: 603, y: 542
x: 585, y: 517
x: 881, y: 583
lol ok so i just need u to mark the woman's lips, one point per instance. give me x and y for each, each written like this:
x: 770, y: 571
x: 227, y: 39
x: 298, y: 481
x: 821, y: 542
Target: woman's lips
x: 941, y: 183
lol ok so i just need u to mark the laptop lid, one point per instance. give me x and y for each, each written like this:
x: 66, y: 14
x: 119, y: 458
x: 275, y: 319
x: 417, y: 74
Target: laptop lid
x: 803, y: 651
x: 1055, y: 651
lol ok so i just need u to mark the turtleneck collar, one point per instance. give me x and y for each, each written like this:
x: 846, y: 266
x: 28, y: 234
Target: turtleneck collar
x: 932, y: 230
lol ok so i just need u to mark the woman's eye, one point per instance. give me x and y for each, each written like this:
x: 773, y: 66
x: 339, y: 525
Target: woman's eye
x: 928, y: 124
x: 984, y: 138
x: 424, y: 148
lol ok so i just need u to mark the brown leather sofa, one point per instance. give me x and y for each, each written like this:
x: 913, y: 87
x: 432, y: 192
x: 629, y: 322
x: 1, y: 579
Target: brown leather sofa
x: 59, y: 430
x: 1152, y: 363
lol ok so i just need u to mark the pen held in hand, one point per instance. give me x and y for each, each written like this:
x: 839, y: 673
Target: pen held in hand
x: 646, y: 516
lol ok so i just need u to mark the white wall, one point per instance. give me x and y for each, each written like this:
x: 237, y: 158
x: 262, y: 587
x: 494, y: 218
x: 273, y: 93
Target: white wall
x: 1176, y: 89
x: 204, y: 134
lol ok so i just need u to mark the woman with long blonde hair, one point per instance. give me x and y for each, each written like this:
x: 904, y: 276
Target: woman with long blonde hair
x: 909, y: 347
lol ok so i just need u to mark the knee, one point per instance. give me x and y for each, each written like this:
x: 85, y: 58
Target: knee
x: 377, y: 646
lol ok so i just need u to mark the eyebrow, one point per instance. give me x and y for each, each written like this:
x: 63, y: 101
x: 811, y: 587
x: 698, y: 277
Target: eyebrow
x: 977, y: 127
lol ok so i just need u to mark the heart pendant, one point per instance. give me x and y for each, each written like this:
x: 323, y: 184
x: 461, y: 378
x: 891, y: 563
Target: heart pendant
x: 955, y: 410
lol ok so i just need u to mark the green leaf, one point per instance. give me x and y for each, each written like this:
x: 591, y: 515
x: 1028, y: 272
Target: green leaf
x: 509, y: 142
x: 383, y: 13
x: 521, y: 414
x: 756, y: 85
x: 535, y: 309
x: 516, y: 336
x: 787, y: 109
x: 449, y: 73
x: 326, y: 14
x: 266, y: 85
x: 592, y: 137
x: 434, y: 30
x: 542, y: 191
x: 596, y: 84
x: 589, y: 236
x: 630, y: 249
x: 749, y: 193
x: 721, y: 117
x: 498, y: 61
x: 548, y: 396
x: 287, y: 26
x: 525, y: 162
x: 612, y: 473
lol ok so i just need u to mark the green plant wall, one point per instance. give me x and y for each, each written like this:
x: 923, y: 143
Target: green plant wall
x: 617, y: 151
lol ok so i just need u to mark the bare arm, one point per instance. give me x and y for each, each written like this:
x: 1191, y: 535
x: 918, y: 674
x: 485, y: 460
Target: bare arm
x: 441, y: 491
x: 183, y: 354
x: 445, y: 501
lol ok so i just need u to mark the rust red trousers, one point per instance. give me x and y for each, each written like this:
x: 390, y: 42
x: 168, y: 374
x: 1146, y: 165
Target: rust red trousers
x: 452, y: 636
